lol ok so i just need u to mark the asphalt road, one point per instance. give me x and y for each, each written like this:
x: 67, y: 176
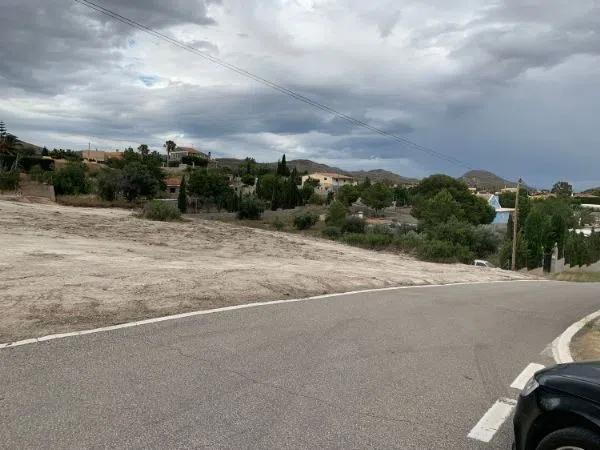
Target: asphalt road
x: 411, y: 369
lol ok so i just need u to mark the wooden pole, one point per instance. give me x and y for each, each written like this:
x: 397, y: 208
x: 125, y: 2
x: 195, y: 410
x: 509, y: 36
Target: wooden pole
x: 515, y: 226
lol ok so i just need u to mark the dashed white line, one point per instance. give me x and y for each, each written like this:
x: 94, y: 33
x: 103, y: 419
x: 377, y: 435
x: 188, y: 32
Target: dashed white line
x: 492, y: 420
x: 524, y: 376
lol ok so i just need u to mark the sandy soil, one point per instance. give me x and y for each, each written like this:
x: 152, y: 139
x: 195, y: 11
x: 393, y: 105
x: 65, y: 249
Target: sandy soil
x: 65, y: 268
x: 586, y: 344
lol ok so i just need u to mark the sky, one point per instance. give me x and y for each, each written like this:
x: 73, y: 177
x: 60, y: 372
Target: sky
x: 508, y: 86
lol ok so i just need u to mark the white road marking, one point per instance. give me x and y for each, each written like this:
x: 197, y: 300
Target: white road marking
x: 244, y: 306
x: 561, y: 345
x: 492, y: 420
x: 524, y: 376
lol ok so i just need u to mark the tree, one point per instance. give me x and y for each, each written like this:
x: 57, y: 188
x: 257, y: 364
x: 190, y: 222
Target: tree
x: 2, y: 129
x: 401, y: 196
x: 282, y: 169
x: 348, y: 194
x: 378, y: 196
x: 182, y: 197
x: 143, y: 149
x: 210, y: 187
x: 170, y: 146
x: 71, y: 180
x: 562, y: 189
x: 44, y: 151
x: 336, y: 214
x: 439, y: 209
x: 471, y: 208
x: 108, y: 183
x: 138, y: 181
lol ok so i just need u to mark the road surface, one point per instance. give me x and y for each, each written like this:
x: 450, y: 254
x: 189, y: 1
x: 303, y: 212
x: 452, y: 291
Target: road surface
x: 412, y: 368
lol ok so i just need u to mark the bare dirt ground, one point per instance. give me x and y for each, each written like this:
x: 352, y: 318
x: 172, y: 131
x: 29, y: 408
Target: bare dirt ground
x: 586, y: 344
x: 64, y: 268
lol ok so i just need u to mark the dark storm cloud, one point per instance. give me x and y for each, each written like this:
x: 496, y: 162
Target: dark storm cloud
x: 431, y: 73
x: 49, y: 45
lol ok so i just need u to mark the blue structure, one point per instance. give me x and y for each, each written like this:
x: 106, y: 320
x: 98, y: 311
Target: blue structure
x: 502, y: 214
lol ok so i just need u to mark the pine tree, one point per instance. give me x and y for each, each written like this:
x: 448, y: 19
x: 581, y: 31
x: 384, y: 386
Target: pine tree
x: 2, y: 129
x: 182, y: 197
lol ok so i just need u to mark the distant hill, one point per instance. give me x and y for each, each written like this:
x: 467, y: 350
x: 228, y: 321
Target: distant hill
x: 308, y: 166
x: 593, y: 191
x: 488, y: 181
x: 382, y: 175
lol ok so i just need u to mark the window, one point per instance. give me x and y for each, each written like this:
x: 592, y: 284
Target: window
x: 324, y: 178
x: 172, y: 190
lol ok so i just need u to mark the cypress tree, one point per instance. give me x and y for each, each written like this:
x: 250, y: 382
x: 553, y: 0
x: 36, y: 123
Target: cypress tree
x: 182, y: 197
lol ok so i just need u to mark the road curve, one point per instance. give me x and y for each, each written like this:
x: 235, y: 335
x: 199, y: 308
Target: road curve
x: 411, y: 369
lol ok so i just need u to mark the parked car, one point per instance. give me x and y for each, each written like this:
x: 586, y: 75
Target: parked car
x: 559, y: 408
x: 483, y: 263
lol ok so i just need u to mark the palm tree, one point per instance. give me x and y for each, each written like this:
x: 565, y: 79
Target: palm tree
x: 170, y: 146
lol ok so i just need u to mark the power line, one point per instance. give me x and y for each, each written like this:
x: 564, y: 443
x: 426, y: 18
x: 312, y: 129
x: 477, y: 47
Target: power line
x: 272, y: 85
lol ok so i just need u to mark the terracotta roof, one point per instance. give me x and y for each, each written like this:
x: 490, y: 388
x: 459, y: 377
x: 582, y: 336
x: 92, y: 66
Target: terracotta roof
x: 173, y: 181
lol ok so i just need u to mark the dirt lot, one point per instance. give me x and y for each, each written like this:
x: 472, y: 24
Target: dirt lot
x: 65, y: 268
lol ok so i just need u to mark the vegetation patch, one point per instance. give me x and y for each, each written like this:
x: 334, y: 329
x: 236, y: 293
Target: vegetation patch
x: 161, y: 211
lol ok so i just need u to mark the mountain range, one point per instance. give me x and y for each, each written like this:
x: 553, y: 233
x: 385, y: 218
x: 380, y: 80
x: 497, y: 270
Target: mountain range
x: 308, y: 166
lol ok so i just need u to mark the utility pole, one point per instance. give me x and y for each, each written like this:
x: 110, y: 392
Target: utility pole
x: 515, y: 226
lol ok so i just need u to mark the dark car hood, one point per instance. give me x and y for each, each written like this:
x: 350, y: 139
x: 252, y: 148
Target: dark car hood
x: 580, y: 379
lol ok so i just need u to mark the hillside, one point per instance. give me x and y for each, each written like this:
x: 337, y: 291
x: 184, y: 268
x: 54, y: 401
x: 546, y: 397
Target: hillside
x: 484, y: 180
x: 308, y: 166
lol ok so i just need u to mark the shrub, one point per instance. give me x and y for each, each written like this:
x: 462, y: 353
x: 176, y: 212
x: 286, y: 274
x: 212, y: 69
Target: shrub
x: 160, y: 210
x: 336, y: 214
x: 138, y: 180
x: 354, y: 225
x: 332, y: 232
x: 9, y: 180
x: 316, y: 199
x: 108, y: 184
x: 70, y: 180
x: 250, y: 208
x: 305, y: 220
x: 408, y: 242
x: 443, y: 251
x: 380, y: 229
x: 370, y: 240
x: 485, y: 242
x: 278, y: 224
x: 40, y: 175
x: 248, y: 179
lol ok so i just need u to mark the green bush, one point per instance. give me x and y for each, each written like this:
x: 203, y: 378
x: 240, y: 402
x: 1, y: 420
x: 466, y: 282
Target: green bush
x: 9, y: 180
x: 37, y: 173
x: 333, y: 233
x: 250, y: 208
x: 408, y: 242
x: 71, y: 180
x: 316, y: 199
x: 305, y: 220
x: 370, y: 240
x: 278, y: 224
x: 354, y: 225
x: 336, y: 214
x: 380, y: 228
x: 108, y: 184
x: 162, y: 211
x: 443, y: 251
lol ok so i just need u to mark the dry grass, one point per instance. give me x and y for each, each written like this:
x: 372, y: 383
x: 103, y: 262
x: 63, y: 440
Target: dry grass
x: 93, y: 201
x: 579, y: 277
x: 586, y: 343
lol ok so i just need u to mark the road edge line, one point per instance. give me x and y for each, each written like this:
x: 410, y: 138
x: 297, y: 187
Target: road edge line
x: 561, y: 346
x: 51, y: 337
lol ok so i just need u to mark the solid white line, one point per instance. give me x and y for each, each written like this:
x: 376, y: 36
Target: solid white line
x: 492, y: 420
x: 524, y: 376
x: 243, y: 306
x: 561, y: 345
